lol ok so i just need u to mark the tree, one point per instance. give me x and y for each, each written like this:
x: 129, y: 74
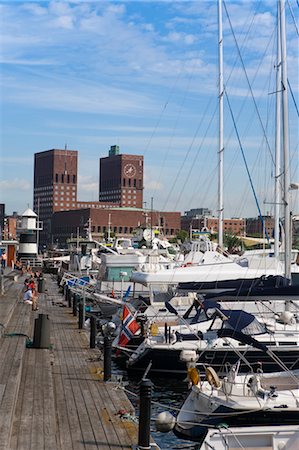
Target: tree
x: 181, y: 236
x: 232, y: 242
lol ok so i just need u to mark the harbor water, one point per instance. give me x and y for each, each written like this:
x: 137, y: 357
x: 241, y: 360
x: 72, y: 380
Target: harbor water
x: 167, y: 395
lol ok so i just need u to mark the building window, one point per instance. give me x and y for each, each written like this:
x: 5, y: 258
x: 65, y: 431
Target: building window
x: 56, y: 177
x: 135, y: 182
x: 129, y: 181
x: 74, y: 178
x: 115, y: 229
x: 99, y: 229
x: 68, y: 179
x: 120, y: 229
x: 125, y: 230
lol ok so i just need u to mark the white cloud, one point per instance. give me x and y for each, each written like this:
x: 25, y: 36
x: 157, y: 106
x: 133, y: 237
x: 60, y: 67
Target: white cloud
x: 180, y: 37
x: 15, y: 184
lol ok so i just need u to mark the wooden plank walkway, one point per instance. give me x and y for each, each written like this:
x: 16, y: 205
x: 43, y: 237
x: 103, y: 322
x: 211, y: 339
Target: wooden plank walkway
x: 62, y: 402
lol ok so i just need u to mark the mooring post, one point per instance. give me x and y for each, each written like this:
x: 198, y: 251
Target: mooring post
x: 80, y: 318
x: 93, y: 330
x: 145, y: 397
x: 69, y: 298
x: 75, y: 300
x: 66, y: 291
x: 107, y: 358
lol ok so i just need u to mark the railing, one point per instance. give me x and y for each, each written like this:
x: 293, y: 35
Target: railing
x: 31, y: 262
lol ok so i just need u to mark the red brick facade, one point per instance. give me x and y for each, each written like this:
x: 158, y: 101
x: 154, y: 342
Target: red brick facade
x: 234, y: 226
x: 121, y: 180
x: 123, y: 222
x: 55, y: 185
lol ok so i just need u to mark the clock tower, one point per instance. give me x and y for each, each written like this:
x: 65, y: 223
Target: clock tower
x: 121, y: 179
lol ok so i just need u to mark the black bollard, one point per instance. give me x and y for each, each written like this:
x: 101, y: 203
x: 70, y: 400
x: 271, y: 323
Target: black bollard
x: 41, y: 336
x: 93, y: 332
x: 75, y: 300
x: 69, y: 298
x: 41, y: 285
x: 80, y: 319
x: 145, y: 396
x: 66, y: 292
x: 107, y: 358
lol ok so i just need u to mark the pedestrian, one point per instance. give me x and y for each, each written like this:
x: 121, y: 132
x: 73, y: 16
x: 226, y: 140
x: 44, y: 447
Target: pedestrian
x: 27, y: 298
x: 3, y: 260
x: 30, y: 297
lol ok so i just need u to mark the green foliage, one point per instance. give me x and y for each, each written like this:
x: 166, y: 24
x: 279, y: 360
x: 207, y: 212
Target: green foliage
x: 232, y: 242
x: 181, y: 236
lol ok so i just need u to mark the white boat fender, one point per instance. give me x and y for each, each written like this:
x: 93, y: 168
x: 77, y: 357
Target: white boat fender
x: 165, y: 422
x: 286, y: 317
x: 189, y: 356
x: 212, y: 377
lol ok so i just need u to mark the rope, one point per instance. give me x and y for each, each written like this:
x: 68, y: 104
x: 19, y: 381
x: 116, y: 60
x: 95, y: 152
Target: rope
x: 247, y: 168
x: 249, y: 85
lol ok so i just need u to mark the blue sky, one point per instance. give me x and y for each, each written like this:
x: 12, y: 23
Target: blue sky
x: 143, y: 75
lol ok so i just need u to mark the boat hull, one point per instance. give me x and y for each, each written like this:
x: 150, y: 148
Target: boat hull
x: 271, y: 417
x: 167, y: 362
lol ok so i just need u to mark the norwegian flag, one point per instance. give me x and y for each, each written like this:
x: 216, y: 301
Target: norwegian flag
x: 129, y: 327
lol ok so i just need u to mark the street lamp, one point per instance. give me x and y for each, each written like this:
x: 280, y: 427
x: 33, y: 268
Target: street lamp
x: 122, y: 276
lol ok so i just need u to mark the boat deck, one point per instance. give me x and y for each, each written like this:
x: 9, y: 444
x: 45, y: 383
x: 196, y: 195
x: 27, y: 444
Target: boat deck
x: 55, y: 398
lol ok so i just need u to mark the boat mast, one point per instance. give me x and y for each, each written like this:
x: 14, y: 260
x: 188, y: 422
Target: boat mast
x: 221, y: 145
x: 277, y: 200
x: 287, y: 228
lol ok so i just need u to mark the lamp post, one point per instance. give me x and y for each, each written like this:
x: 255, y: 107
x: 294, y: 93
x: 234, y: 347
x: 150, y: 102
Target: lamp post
x: 122, y: 276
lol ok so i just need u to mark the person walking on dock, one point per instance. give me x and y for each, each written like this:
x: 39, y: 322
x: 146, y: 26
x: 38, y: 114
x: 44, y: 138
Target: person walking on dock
x: 3, y: 260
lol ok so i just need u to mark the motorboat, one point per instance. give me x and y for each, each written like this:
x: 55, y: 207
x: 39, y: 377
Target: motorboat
x: 205, y: 267
x: 218, y: 336
x: 250, y: 400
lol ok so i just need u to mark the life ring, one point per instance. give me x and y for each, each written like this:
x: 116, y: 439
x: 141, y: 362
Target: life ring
x: 212, y: 377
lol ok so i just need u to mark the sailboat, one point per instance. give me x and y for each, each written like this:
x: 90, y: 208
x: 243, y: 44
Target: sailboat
x: 252, y: 400
x: 259, y: 404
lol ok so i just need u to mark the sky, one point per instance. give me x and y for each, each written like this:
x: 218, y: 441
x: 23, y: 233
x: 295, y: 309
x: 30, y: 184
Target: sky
x: 144, y: 75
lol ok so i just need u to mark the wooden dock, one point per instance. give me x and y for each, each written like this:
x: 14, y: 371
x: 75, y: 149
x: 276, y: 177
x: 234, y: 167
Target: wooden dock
x: 55, y: 398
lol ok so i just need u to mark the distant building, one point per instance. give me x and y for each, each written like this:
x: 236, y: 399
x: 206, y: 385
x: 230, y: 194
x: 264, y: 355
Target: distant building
x: 120, y: 198
x: 121, y: 179
x: 10, y: 227
x: 55, y: 185
x: 235, y: 226
x: 122, y: 222
x: 254, y: 226
x: 198, y: 213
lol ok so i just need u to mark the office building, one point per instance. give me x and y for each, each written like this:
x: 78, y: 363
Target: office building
x: 121, y: 179
x: 55, y: 185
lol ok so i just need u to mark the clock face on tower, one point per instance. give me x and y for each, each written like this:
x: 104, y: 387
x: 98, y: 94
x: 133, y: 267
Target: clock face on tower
x: 129, y: 170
